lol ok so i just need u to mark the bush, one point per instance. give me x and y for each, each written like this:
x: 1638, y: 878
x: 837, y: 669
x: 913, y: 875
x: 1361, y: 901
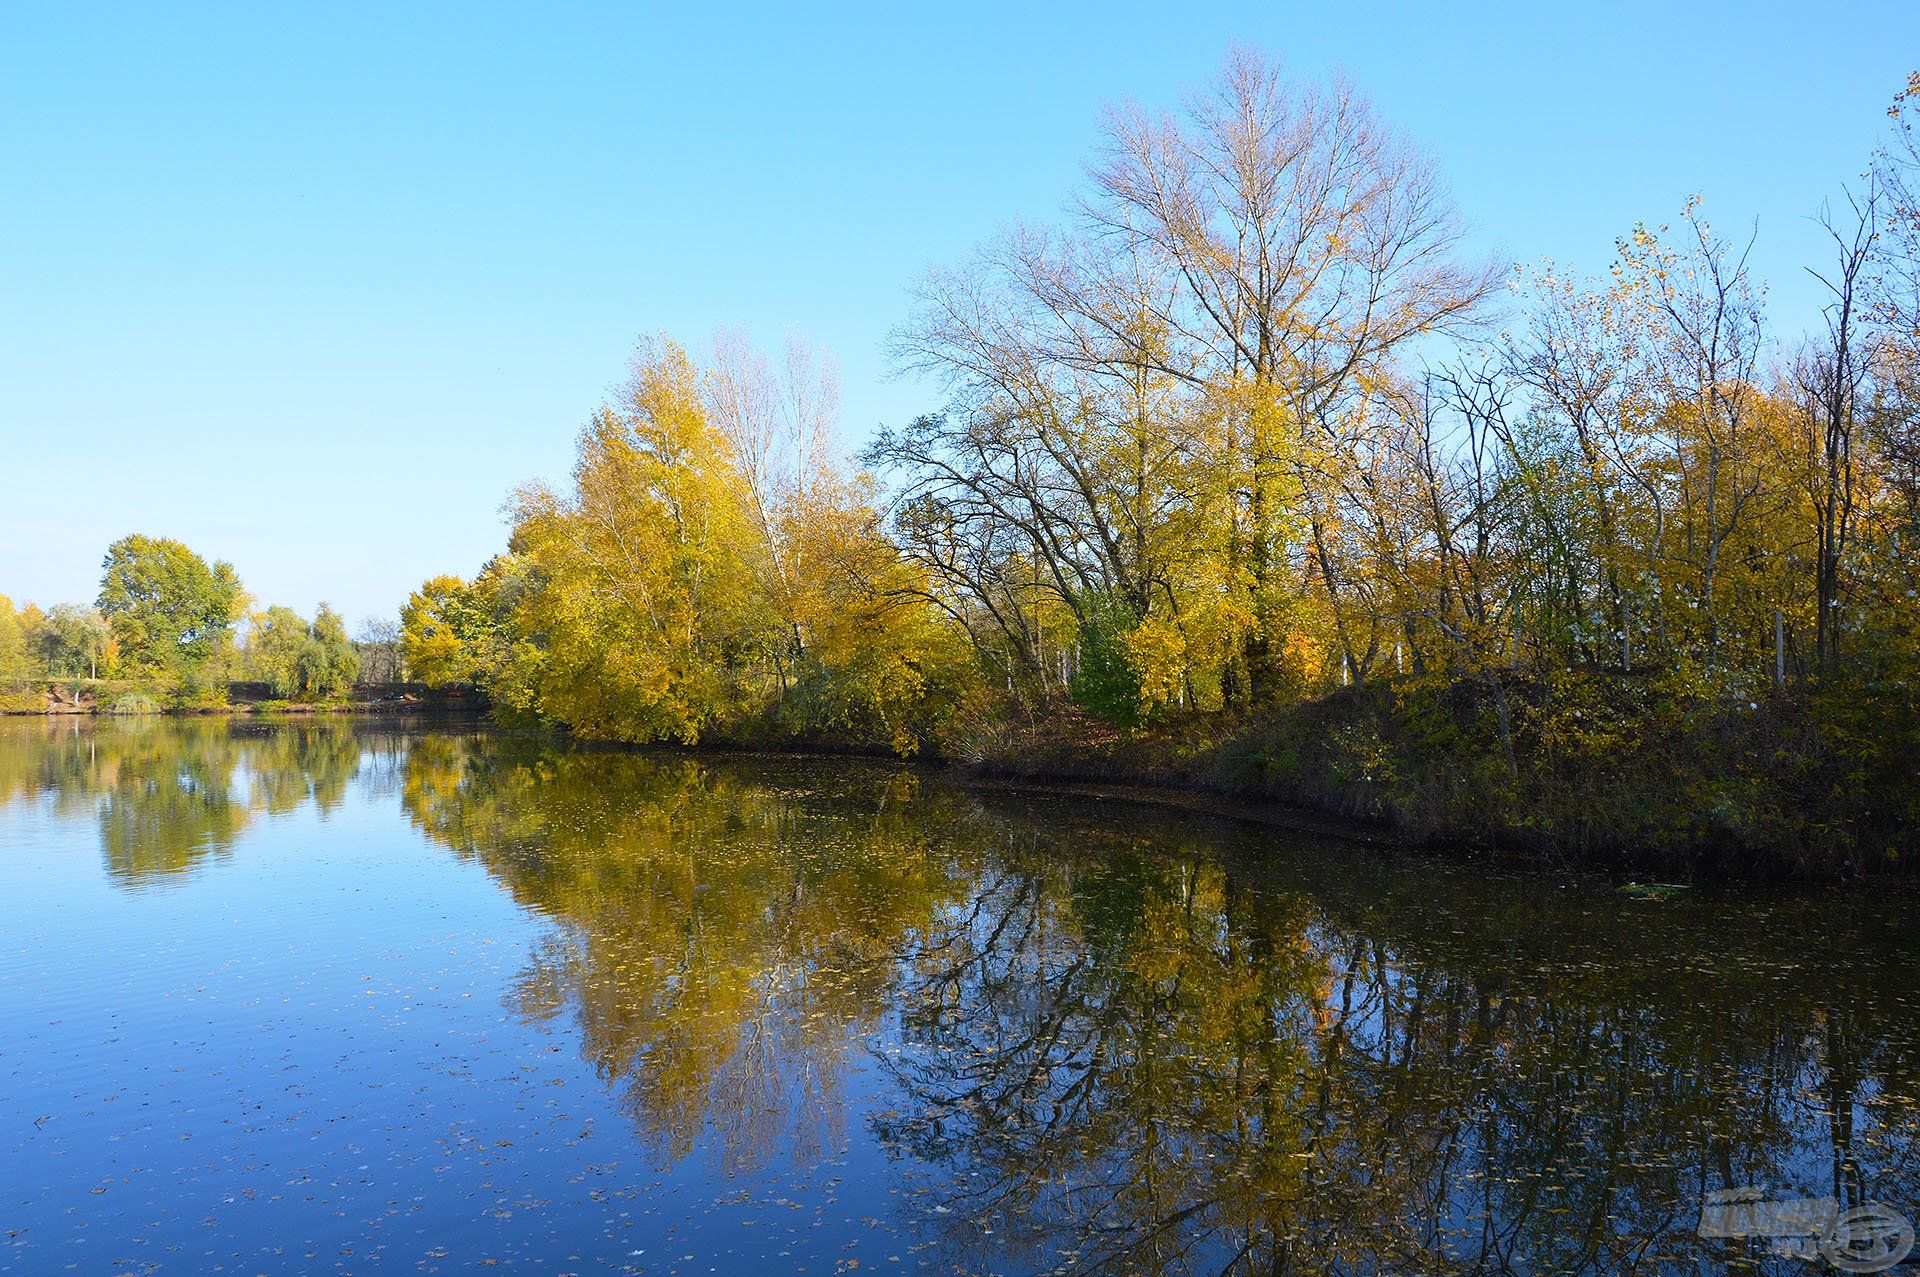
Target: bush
x: 1622, y: 769
x: 1105, y: 683
x: 196, y: 692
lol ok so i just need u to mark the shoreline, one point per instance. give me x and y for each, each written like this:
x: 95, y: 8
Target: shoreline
x: 1181, y: 793
x: 458, y: 707
x: 1113, y: 775
x: 1168, y: 792
x: 1204, y: 784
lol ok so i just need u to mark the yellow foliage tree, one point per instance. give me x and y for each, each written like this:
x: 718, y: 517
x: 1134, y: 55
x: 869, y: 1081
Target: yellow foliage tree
x: 646, y: 599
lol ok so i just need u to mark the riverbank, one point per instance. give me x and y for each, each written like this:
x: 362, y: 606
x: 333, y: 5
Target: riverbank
x: 1629, y: 774
x: 1616, y: 778
x: 1620, y: 775
x: 1617, y: 775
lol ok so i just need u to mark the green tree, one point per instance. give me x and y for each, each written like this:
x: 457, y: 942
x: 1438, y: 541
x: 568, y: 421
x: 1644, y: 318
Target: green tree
x: 1105, y: 682
x: 273, y: 649
x: 73, y: 642
x: 299, y: 659
x: 327, y: 661
x: 170, y: 610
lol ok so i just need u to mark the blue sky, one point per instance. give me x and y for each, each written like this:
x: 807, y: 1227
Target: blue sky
x: 312, y: 288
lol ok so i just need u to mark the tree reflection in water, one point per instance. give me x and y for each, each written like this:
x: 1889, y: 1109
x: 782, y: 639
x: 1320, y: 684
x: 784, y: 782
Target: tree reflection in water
x: 1117, y: 1041
x: 725, y: 942
x: 170, y: 794
x: 1106, y: 1038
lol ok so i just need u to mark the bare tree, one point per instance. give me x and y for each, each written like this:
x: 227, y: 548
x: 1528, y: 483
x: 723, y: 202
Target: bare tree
x: 1312, y: 243
x: 1704, y: 344
x: 377, y: 640
x: 1201, y: 343
x: 780, y: 424
x: 1830, y: 379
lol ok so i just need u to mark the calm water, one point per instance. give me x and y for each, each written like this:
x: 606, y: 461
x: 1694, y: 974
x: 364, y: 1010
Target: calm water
x: 279, y: 999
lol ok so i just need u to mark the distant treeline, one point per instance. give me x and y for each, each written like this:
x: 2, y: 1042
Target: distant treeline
x: 170, y: 630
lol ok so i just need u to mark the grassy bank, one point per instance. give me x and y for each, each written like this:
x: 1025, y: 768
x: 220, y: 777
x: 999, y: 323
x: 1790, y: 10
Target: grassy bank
x: 1621, y: 772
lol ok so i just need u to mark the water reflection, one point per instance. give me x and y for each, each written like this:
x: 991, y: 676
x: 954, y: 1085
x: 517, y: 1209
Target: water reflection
x: 725, y: 935
x: 1108, y: 1039
x: 172, y: 794
x: 1197, y: 1065
x: 1123, y: 1043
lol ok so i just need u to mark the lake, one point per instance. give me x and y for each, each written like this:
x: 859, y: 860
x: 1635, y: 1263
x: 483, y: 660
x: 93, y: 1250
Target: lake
x: 328, y: 996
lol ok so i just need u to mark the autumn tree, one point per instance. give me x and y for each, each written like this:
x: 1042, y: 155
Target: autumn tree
x: 1171, y: 391
x: 647, y: 604
x: 438, y: 631
x: 1313, y: 245
x: 15, y: 665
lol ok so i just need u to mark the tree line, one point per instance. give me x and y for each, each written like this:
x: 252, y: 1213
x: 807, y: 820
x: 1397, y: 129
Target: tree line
x: 1248, y: 427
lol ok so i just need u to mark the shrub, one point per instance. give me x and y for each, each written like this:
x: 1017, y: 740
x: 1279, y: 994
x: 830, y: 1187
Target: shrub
x: 1105, y: 683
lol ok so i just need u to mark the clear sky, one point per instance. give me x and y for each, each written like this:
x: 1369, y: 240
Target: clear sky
x: 311, y: 288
